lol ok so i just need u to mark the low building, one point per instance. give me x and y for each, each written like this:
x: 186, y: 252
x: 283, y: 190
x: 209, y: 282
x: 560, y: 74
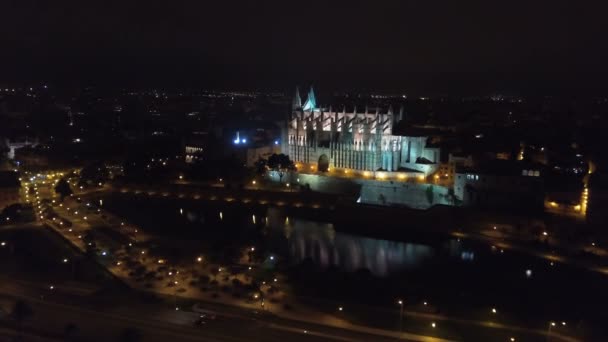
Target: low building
x: 595, y: 199
x: 447, y: 171
x: 501, y: 184
x: 9, y: 188
x: 192, y: 153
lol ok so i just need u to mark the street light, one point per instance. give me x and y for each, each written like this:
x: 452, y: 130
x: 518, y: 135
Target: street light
x: 551, y: 325
x: 493, y: 310
x: 400, y: 302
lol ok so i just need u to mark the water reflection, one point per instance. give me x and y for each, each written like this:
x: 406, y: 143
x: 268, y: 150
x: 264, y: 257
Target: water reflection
x: 300, y: 239
x: 320, y: 243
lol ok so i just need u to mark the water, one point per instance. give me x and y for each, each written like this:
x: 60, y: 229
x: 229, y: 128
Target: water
x: 320, y: 243
x: 458, y: 276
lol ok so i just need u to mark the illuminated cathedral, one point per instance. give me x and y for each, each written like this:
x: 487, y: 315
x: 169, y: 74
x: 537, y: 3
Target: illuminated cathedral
x: 359, y: 140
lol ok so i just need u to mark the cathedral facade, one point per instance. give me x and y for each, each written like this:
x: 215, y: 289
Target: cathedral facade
x: 357, y: 140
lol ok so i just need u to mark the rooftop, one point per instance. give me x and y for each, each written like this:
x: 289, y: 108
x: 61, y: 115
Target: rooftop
x: 501, y: 167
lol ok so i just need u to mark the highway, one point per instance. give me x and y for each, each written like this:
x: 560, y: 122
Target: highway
x: 103, y: 317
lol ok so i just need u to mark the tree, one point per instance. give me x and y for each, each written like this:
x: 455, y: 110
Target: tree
x: 260, y: 166
x: 280, y: 163
x: 63, y: 188
x: 21, y: 311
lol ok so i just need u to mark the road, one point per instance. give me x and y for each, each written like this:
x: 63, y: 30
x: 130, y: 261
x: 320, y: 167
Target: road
x: 103, y: 318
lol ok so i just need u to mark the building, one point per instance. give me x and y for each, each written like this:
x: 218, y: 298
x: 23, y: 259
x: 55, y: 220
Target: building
x: 9, y: 188
x: 357, y: 140
x: 17, y: 144
x: 595, y: 199
x: 195, y: 146
x: 447, y: 171
x: 500, y: 184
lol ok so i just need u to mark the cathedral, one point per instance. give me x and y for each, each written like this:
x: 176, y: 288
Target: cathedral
x: 359, y: 140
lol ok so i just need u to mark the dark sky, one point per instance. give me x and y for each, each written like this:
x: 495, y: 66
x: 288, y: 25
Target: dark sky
x: 455, y: 46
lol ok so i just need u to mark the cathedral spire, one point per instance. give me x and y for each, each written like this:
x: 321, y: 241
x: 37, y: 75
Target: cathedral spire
x: 297, y: 100
x: 311, y: 102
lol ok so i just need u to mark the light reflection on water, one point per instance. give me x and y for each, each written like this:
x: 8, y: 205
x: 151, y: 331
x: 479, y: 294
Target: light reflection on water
x: 320, y: 243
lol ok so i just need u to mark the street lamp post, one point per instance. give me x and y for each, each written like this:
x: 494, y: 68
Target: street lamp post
x: 551, y: 325
x: 400, y: 302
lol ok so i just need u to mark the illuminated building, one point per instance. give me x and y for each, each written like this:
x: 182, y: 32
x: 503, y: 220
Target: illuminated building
x: 357, y: 140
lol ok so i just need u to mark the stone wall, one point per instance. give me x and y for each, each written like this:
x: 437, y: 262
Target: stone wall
x: 319, y: 183
x: 379, y: 192
x: 410, y: 194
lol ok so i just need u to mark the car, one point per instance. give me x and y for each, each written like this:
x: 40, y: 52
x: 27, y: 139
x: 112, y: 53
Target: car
x: 200, y: 321
x: 208, y: 314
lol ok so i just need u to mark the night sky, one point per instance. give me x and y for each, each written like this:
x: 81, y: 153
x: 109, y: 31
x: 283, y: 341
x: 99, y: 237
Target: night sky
x: 436, y: 46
